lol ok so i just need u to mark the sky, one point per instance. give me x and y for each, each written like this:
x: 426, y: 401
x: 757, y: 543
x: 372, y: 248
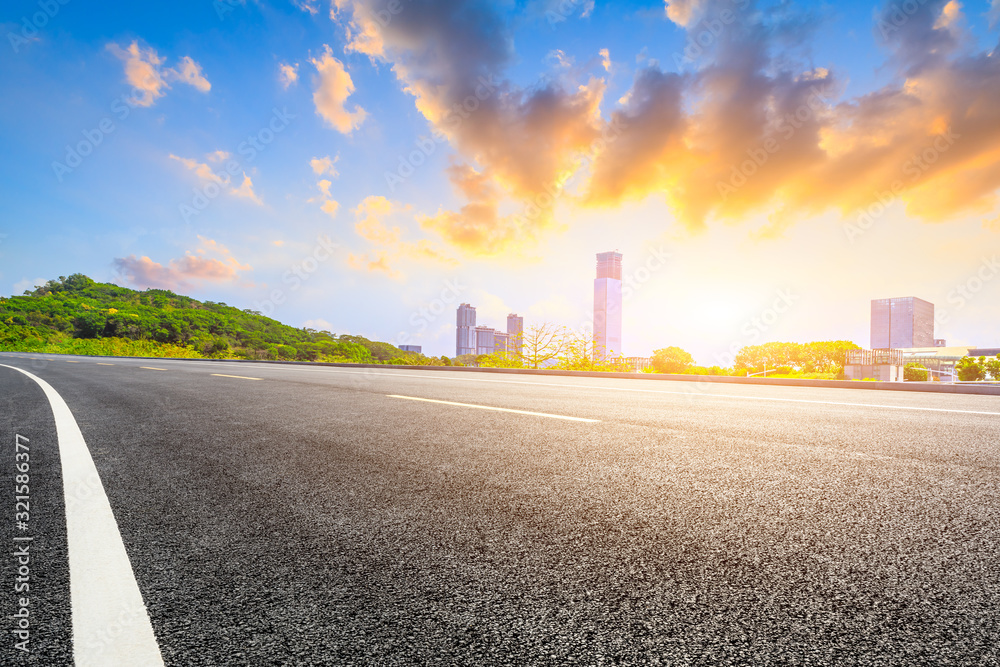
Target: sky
x: 364, y: 166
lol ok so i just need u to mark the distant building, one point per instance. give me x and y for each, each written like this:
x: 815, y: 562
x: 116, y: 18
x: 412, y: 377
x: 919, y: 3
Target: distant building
x: 903, y: 322
x: 608, y: 305
x: 639, y: 364
x: 485, y: 338
x: 411, y: 348
x: 515, y: 333
x: 940, y: 342
x: 501, y: 341
x: 882, y: 365
x: 465, y: 326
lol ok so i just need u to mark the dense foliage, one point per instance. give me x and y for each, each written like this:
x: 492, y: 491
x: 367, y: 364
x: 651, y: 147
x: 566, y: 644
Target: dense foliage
x: 826, y: 356
x: 77, y: 315
x: 971, y: 369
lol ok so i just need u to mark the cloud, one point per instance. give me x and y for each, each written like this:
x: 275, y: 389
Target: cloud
x: 388, y: 248
x: 750, y: 133
x: 325, y: 165
x: 246, y: 191
x: 370, y: 226
x: 204, y: 172
x: 333, y: 87
x: 993, y: 16
x: 288, y: 74
x: 684, y: 12
x: 183, y: 273
x: 751, y: 129
x: 478, y: 228
x: 450, y: 57
x: 330, y: 207
x: 149, y: 80
x: 605, y: 59
x: 190, y: 73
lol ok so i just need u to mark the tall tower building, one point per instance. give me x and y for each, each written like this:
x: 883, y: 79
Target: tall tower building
x: 902, y: 322
x: 515, y: 333
x: 608, y: 305
x: 465, y: 330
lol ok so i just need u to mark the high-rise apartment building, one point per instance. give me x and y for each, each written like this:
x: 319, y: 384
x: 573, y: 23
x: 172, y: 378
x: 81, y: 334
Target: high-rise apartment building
x: 515, y: 333
x: 465, y: 336
x: 608, y: 305
x: 485, y: 340
x: 902, y: 322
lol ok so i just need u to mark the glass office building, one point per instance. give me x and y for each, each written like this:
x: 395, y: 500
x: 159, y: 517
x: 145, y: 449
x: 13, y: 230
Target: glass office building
x: 903, y: 322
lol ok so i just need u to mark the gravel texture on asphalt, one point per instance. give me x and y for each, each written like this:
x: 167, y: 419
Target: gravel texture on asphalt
x: 310, y: 519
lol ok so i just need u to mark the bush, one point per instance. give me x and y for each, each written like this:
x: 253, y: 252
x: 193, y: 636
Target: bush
x: 914, y: 372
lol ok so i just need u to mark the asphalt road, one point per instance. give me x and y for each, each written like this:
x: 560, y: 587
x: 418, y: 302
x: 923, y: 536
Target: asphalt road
x: 313, y: 517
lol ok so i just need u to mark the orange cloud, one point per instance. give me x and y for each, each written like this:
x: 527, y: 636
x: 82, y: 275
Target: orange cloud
x: 333, y: 87
x: 389, y: 250
x: 288, y: 74
x: 204, y: 172
x: 185, y: 272
x: 149, y: 80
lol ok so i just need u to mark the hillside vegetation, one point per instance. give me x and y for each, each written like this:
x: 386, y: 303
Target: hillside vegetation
x: 76, y: 315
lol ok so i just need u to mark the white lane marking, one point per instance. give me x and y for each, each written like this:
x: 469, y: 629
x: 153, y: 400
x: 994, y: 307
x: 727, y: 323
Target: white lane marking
x: 150, y: 368
x: 490, y: 407
x: 335, y: 370
x: 238, y: 377
x: 692, y: 393
x: 102, y: 584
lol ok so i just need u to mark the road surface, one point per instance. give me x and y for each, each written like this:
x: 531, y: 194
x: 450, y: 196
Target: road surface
x: 295, y: 515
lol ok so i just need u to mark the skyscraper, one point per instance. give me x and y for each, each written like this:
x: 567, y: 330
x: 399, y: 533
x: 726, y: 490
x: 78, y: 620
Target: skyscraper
x: 515, y: 333
x: 465, y: 327
x: 902, y: 322
x: 608, y: 305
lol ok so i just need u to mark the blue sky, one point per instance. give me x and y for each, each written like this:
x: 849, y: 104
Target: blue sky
x: 508, y: 206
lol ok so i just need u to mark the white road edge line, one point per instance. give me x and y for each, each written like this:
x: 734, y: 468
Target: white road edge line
x: 103, y: 590
x: 490, y: 407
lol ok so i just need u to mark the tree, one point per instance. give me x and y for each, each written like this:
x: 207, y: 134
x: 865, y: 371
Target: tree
x: 970, y: 369
x: 993, y: 367
x: 914, y: 372
x: 500, y: 360
x: 671, y: 360
x: 580, y: 352
x: 541, y: 344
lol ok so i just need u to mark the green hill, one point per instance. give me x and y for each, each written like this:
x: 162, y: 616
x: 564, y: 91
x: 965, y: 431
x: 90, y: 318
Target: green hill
x: 77, y: 315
